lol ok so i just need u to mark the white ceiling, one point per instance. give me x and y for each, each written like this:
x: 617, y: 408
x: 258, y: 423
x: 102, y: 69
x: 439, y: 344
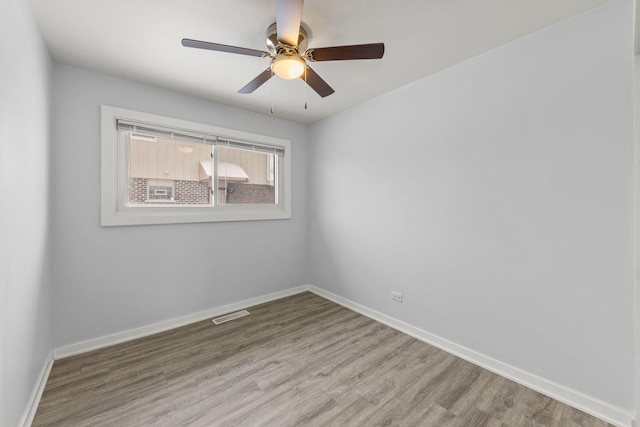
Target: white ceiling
x: 140, y: 40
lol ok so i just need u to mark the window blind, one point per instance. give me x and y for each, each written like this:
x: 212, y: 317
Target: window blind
x: 202, y: 138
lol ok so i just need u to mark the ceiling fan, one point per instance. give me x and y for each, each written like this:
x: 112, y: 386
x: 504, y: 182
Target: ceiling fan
x: 287, y: 44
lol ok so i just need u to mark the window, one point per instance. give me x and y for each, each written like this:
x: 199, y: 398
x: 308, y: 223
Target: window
x: 159, y: 170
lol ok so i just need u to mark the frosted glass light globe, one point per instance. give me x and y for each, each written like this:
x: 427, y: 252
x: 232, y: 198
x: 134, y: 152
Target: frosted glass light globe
x: 288, y: 66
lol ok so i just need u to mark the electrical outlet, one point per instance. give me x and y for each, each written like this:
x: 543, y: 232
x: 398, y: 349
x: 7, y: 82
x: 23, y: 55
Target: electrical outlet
x: 396, y: 296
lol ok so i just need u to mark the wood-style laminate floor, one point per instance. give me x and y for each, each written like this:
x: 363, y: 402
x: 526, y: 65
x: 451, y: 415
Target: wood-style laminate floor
x: 298, y: 361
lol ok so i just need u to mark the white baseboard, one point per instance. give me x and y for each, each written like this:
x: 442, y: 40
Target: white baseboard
x: 588, y: 404
x: 603, y: 410
x: 34, y: 400
x: 144, y: 331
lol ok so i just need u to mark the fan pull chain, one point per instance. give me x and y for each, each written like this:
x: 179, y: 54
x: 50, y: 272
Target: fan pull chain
x: 271, y: 94
x: 305, y: 87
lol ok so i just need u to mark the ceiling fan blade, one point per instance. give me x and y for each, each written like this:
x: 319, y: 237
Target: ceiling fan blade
x: 288, y: 17
x: 223, y: 48
x: 257, y: 82
x: 317, y: 84
x: 339, y: 53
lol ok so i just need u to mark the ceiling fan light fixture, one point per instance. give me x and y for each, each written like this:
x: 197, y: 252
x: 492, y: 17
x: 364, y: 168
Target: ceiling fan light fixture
x: 288, y: 66
x: 287, y: 41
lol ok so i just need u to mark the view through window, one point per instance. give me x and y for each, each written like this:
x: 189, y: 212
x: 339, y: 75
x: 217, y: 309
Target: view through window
x: 170, y: 170
x: 174, y: 171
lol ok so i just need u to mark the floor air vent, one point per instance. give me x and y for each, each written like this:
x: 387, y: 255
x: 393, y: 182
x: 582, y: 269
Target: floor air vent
x: 232, y: 316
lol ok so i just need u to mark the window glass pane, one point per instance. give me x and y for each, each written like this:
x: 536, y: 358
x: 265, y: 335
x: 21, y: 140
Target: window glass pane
x: 165, y: 171
x: 246, y: 177
x: 162, y: 170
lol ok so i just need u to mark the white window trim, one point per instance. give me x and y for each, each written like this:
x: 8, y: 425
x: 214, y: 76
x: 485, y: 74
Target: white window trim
x: 112, y: 215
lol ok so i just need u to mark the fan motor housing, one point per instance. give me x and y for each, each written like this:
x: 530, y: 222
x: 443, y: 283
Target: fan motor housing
x: 275, y: 47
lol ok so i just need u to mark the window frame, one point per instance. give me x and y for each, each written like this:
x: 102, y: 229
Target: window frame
x: 113, y: 173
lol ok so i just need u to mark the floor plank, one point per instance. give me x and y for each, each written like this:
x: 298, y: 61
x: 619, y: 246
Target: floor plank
x: 297, y: 361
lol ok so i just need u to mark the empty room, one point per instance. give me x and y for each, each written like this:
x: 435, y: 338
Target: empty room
x: 312, y: 213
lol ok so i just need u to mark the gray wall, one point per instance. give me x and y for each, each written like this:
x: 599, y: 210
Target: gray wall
x: 25, y: 250
x: 113, y: 279
x: 497, y: 197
